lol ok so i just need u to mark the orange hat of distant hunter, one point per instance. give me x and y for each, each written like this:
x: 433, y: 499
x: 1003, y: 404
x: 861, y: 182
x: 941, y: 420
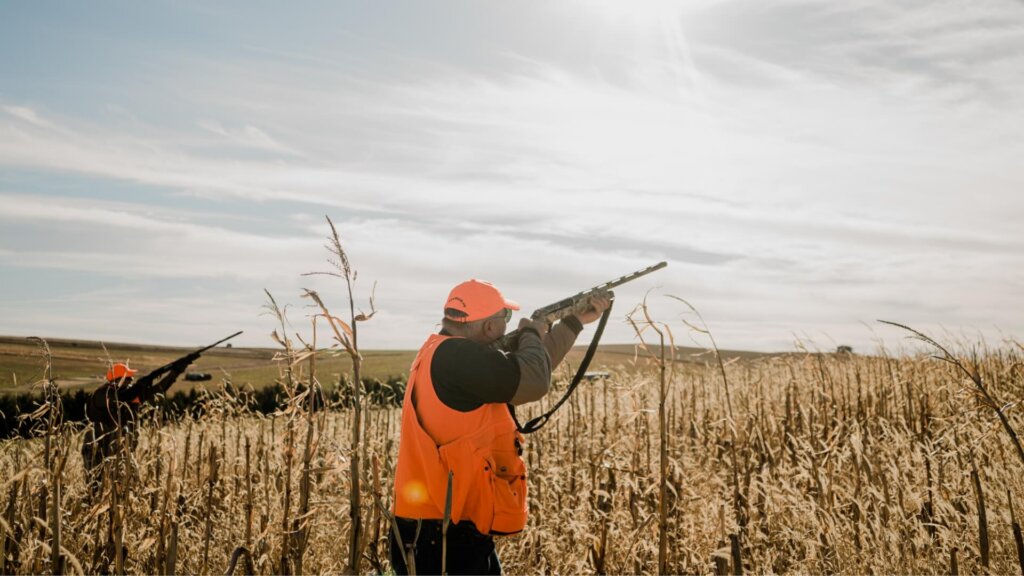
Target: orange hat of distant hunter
x: 475, y: 300
x: 119, y: 371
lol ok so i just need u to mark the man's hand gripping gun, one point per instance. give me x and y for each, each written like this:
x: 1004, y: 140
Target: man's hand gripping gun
x: 573, y: 304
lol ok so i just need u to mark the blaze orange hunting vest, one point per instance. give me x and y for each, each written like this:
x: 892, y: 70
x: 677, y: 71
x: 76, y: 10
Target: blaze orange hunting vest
x: 480, y: 447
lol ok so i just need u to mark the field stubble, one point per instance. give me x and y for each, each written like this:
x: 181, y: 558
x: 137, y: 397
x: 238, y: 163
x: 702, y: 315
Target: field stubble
x: 829, y: 463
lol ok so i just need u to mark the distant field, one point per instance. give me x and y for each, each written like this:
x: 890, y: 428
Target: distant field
x: 82, y: 363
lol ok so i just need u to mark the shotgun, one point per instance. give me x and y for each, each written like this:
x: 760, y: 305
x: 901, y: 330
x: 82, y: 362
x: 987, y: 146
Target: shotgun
x: 572, y: 304
x: 146, y: 388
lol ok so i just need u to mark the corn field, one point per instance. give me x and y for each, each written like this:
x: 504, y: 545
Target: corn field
x: 804, y: 462
x: 796, y: 463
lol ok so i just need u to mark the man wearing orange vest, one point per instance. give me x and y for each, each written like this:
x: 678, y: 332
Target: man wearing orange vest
x: 456, y: 424
x: 113, y: 408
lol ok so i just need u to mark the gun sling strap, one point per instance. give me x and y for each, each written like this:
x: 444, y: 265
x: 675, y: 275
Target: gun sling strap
x: 536, y: 423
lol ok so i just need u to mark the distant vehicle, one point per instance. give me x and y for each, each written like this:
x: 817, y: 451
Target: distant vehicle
x: 198, y: 376
x: 596, y: 375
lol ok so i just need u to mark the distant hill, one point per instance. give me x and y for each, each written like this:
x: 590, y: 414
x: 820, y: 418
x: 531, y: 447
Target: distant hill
x: 82, y: 363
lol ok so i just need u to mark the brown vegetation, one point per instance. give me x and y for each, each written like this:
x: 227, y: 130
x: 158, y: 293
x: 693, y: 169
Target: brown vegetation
x: 811, y: 463
x: 842, y: 464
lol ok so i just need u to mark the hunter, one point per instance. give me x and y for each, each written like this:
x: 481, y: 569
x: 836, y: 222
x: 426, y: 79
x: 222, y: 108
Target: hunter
x: 457, y: 423
x: 113, y: 409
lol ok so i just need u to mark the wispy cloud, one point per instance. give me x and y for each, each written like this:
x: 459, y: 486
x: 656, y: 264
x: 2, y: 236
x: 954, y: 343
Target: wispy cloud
x: 246, y: 136
x: 128, y: 241
x: 799, y: 162
x: 27, y: 115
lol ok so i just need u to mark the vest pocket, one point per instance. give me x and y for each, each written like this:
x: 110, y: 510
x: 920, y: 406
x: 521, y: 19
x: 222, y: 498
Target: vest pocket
x: 509, y: 484
x: 489, y: 483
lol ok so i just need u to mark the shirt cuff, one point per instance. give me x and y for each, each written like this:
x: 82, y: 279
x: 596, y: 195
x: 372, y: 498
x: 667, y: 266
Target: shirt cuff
x: 573, y: 323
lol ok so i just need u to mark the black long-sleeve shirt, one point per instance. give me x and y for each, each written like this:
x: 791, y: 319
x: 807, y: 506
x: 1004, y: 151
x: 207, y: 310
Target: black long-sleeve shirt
x: 468, y: 374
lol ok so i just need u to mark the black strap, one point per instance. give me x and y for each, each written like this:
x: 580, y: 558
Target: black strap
x: 536, y: 423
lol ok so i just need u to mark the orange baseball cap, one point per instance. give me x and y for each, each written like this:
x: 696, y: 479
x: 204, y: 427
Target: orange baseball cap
x: 475, y: 300
x: 119, y: 371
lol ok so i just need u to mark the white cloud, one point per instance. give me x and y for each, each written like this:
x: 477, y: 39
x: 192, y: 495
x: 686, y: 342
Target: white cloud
x: 28, y: 115
x: 246, y: 136
x: 127, y: 240
x: 799, y: 163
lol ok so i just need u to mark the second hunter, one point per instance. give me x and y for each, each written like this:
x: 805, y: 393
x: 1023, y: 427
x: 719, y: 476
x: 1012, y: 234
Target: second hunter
x: 113, y: 407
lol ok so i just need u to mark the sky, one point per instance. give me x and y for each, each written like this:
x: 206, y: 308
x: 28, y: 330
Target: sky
x: 805, y: 167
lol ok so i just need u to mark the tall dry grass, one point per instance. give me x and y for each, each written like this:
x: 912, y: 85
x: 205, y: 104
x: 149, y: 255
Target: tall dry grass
x: 846, y: 464
x: 807, y: 462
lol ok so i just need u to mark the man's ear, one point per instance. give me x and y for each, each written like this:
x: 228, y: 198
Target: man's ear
x: 486, y: 328
x: 490, y: 329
